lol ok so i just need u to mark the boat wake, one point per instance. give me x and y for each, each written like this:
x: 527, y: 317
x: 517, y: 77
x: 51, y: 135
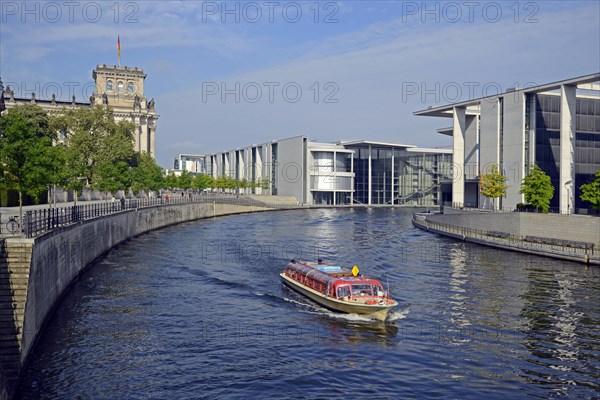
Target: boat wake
x: 318, y: 310
x: 398, y: 315
x: 307, y: 305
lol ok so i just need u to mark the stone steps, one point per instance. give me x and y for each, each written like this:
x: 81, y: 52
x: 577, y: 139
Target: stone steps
x: 15, y: 261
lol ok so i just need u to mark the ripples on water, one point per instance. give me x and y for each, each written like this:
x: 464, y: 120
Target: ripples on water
x: 197, y: 311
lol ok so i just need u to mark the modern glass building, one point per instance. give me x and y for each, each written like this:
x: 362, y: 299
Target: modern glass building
x: 587, y: 142
x: 555, y: 125
x: 396, y: 174
x: 343, y: 173
x: 192, y: 163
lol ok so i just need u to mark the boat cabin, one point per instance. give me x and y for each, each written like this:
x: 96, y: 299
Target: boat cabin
x: 333, y: 281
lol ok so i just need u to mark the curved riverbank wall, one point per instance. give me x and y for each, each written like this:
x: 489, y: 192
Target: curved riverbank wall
x: 35, y: 273
x: 569, y: 237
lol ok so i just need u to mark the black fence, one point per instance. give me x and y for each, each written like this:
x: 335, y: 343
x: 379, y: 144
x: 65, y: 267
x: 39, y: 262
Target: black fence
x: 520, y: 208
x: 40, y: 221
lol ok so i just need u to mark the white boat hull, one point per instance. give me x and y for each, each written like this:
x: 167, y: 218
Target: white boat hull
x: 375, y: 311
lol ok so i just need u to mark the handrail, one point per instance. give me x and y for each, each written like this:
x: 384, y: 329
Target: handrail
x: 523, y: 242
x: 40, y: 221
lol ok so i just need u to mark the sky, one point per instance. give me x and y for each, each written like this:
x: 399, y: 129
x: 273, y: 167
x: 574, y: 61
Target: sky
x: 231, y: 74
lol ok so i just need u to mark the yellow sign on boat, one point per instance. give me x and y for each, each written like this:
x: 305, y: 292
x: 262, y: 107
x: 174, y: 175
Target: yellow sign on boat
x: 355, y: 270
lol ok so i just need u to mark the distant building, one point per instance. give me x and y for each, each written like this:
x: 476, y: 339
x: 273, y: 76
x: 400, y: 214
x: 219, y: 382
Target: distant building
x: 358, y: 172
x: 193, y: 163
x: 554, y: 125
x: 396, y: 174
x: 119, y: 88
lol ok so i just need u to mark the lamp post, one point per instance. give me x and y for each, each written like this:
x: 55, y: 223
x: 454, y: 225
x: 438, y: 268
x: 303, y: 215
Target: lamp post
x: 568, y: 187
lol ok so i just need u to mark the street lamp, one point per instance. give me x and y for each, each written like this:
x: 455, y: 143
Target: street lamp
x: 568, y: 187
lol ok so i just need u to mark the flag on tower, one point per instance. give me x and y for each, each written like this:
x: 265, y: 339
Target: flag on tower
x: 119, y: 48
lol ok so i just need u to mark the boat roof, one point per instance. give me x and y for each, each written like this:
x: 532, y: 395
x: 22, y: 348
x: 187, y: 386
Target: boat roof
x: 342, y: 273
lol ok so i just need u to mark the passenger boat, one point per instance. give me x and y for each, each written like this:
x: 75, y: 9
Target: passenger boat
x: 338, y: 289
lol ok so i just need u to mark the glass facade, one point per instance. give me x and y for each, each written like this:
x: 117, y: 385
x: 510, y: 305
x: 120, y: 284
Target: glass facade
x: 399, y: 176
x: 587, y: 143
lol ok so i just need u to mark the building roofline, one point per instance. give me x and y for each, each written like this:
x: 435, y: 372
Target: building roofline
x: 446, y: 110
x: 429, y: 150
x: 374, y: 143
x: 43, y: 101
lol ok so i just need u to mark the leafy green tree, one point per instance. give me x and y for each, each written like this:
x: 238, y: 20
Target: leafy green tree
x: 591, y: 191
x: 112, y: 176
x: 94, y: 141
x: 244, y: 184
x: 26, y: 155
x: 220, y: 183
x: 252, y: 185
x: 265, y: 183
x: 171, y: 181
x: 184, y: 181
x: 146, y: 174
x: 202, y: 181
x: 493, y: 184
x: 537, y: 189
x: 231, y: 183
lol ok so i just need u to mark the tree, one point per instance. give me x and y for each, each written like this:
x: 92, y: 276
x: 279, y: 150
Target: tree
x: 202, y: 181
x: 146, y: 174
x: 537, y: 189
x: 26, y: 155
x: 184, y: 181
x: 97, y: 147
x: 171, y: 181
x: 112, y: 176
x: 265, y: 183
x: 493, y: 184
x: 244, y: 184
x: 591, y: 191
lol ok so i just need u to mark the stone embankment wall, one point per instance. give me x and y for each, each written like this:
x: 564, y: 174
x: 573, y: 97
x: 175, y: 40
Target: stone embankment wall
x: 35, y: 273
x: 579, y: 228
x: 567, y: 237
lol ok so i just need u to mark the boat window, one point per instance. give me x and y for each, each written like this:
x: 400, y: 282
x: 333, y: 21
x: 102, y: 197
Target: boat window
x: 343, y: 291
x: 361, y: 290
x: 377, y: 290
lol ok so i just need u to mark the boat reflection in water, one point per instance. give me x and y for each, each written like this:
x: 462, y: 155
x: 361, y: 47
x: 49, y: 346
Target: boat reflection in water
x: 338, y: 289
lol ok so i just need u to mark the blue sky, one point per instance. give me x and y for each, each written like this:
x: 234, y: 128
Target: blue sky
x: 231, y: 74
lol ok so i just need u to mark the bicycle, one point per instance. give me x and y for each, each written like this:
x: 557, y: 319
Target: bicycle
x: 13, y: 225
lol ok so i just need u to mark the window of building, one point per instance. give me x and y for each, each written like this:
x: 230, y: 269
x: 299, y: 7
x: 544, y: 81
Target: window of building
x: 130, y: 87
x: 120, y: 87
x: 109, y: 85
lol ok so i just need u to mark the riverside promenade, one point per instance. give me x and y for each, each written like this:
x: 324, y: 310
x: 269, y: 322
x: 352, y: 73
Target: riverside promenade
x: 52, y: 247
x: 567, y: 237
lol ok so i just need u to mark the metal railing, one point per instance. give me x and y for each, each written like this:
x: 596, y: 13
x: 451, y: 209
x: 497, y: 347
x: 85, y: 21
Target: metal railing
x: 40, y: 221
x: 474, y: 207
x: 521, y: 242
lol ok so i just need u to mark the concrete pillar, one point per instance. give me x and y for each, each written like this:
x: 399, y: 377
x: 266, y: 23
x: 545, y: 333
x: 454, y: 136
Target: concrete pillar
x: 458, y: 155
x: 567, y: 148
x: 136, y: 133
x: 393, y: 177
x: 352, y: 179
x: 151, y: 135
x: 370, y: 175
x: 144, y: 134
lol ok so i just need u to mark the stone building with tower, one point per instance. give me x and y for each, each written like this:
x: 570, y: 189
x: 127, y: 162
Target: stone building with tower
x: 120, y: 88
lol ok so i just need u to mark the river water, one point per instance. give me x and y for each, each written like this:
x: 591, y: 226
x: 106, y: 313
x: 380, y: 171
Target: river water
x: 197, y: 311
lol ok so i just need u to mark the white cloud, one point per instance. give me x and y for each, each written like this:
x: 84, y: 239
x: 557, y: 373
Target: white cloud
x: 371, y: 67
